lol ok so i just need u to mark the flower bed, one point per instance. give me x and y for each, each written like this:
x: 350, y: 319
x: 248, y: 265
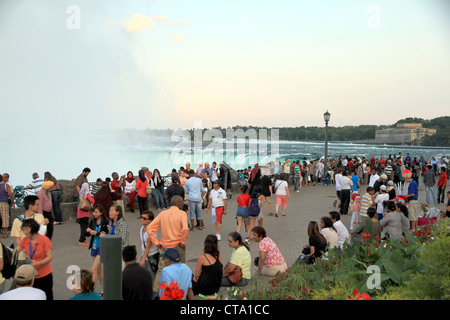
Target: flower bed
x: 375, y: 269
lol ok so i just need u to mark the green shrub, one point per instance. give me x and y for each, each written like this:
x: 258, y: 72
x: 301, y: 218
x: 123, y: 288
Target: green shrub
x: 412, y: 267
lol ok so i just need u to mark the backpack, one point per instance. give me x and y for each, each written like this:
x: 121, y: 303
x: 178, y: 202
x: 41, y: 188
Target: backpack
x: 253, y: 208
x: 9, y: 262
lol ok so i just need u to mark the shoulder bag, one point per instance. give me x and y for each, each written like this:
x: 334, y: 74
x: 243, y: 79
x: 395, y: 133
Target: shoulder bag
x: 236, y: 275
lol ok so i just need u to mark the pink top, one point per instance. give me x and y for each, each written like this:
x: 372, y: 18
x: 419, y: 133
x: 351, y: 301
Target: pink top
x: 45, y: 202
x: 273, y: 254
x: 82, y: 213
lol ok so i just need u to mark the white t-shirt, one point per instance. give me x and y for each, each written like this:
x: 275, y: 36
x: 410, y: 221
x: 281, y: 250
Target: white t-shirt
x: 25, y: 293
x: 342, y: 232
x: 379, y: 201
x: 144, y: 237
x: 281, y: 185
x: 346, y: 183
x: 373, y: 178
x: 337, y: 181
x: 217, y: 197
x: 205, y: 190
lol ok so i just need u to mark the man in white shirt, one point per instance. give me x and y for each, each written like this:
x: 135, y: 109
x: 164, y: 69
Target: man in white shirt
x: 346, y: 187
x: 373, y: 177
x: 341, y: 229
x: 24, y: 279
x: 337, y: 182
x: 218, y: 204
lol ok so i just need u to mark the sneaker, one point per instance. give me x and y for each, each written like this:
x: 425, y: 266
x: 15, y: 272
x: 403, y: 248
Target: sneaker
x: 83, y: 244
x: 218, y: 237
x: 247, y: 240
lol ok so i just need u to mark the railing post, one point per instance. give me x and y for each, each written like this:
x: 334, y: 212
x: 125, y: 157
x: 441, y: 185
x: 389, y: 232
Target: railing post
x: 111, y: 257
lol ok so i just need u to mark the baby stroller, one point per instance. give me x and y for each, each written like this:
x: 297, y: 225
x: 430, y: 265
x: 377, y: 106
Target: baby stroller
x: 326, y: 179
x: 19, y: 195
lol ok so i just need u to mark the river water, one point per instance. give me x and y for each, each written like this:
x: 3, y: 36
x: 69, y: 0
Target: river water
x: 105, y: 154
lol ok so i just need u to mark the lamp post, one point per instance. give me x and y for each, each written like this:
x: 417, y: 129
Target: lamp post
x: 326, y: 117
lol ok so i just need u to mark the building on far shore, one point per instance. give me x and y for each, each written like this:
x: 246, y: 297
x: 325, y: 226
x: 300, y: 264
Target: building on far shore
x: 404, y: 133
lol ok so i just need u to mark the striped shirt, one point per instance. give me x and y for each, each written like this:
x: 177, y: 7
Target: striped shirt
x: 388, y: 170
x: 36, y: 184
x: 366, y: 202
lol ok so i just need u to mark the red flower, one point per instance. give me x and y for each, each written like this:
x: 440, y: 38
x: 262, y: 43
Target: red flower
x: 171, y: 292
x: 357, y: 296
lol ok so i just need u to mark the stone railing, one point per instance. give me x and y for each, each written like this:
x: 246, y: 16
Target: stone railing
x: 69, y: 201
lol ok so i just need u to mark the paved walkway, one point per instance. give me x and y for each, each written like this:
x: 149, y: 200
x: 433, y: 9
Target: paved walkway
x: 289, y: 232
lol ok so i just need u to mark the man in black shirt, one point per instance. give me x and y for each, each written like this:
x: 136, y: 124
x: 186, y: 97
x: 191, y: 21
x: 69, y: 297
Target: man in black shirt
x: 381, y: 181
x: 137, y: 281
x: 266, y: 191
x: 175, y: 189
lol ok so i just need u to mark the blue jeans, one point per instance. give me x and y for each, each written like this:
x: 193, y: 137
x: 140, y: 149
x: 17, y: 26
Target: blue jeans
x: 56, y: 200
x: 159, y: 199
x: 296, y: 183
x: 195, y: 210
x: 433, y: 193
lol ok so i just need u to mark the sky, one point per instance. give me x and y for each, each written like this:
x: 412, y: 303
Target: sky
x: 70, y: 69
x: 168, y: 63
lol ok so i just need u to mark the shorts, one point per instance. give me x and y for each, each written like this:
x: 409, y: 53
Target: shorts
x: 268, y: 199
x: 95, y: 252
x: 282, y: 200
x: 195, y: 210
x: 4, y: 214
x: 413, y: 210
x: 242, y: 212
x: 217, y: 214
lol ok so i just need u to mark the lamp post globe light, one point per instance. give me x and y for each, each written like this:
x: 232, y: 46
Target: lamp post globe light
x: 326, y: 117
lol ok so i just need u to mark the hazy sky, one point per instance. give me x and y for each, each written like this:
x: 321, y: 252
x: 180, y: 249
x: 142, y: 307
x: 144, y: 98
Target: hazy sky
x: 168, y: 63
x: 72, y: 67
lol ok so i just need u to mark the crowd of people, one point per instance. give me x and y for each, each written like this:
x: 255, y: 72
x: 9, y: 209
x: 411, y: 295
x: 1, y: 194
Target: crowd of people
x: 366, y: 189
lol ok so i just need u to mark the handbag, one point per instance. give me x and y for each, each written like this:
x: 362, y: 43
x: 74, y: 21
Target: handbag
x: 42, y: 229
x: 85, y: 205
x: 153, y: 261
x: 236, y: 275
x: 148, y: 188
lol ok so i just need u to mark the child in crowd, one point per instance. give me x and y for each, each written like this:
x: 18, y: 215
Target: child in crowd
x: 355, y: 208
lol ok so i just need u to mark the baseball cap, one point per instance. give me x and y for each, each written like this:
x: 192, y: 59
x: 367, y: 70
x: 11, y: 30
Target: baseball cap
x: 172, y: 255
x: 25, y: 272
x: 383, y: 187
x: 383, y: 176
x: 216, y: 182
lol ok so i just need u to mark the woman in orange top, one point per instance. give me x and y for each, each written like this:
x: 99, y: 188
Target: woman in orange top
x: 39, y: 254
x: 141, y: 187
